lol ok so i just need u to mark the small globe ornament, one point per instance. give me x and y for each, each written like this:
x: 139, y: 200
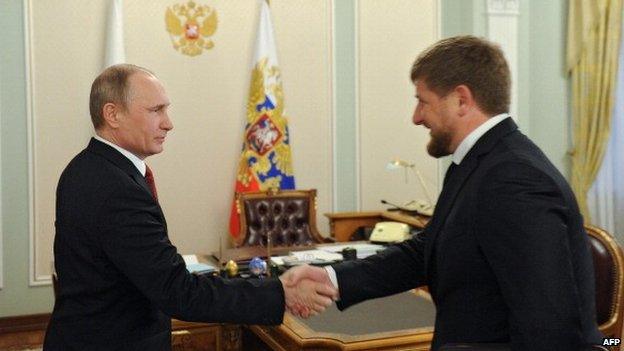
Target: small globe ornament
x: 231, y: 268
x: 257, y: 266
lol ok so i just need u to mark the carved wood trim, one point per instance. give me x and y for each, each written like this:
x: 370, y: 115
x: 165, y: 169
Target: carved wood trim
x: 19, y: 332
x: 32, y: 322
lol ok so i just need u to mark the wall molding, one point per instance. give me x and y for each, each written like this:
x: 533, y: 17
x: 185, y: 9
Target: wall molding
x: 1, y: 218
x: 35, y: 279
x: 502, y: 20
x: 358, y: 140
x: 334, y: 107
x: 331, y: 40
x: 442, y: 164
x: 503, y: 7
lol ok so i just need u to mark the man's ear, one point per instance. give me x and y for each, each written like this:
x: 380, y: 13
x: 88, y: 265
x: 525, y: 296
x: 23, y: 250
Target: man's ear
x: 110, y: 112
x: 465, y: 99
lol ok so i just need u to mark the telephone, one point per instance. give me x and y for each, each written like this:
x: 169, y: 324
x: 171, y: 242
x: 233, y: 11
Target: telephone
x: 388, y: 232
x: 419, y: 206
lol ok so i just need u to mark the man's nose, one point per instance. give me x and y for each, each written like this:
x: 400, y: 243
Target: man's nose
x: 417, y: 116
x: 167, y: 124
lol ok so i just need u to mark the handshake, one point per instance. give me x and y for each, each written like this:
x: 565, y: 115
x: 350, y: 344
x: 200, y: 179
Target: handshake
x: 307, y: 290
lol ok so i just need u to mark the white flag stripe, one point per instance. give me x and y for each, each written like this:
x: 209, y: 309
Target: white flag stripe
x: 265, y: 43
x: 115, y: 52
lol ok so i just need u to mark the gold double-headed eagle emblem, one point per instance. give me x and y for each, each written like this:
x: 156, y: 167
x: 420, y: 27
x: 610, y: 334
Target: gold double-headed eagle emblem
x: 190, y: 27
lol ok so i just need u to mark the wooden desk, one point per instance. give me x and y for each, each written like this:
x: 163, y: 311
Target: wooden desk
x: 399, y: 322
x: 191, y: 336
x: 343, y: 224
x: 417, y: 315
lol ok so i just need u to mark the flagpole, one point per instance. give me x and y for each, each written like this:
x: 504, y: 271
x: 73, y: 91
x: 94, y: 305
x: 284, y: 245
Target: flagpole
x: 269, y: 244
x: 115, y: 51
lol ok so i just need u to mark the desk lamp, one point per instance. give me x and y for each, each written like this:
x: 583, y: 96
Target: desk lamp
x: 420, y: 206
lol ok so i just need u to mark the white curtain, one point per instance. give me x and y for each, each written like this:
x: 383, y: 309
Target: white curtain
x: 606, y: 197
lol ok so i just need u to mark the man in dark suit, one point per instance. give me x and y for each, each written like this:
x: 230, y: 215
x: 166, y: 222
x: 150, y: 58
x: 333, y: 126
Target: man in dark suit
x: 505, y: 255
x: 120, y: 279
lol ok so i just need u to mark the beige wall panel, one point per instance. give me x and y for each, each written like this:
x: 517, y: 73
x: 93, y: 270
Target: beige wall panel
x: 390, y: 35
x: 195, y: 174
x: 304, y: 36
x: 65, y: 48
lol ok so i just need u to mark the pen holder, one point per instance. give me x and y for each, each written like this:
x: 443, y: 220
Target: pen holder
x: 274, y: 269
x: 349, y: 254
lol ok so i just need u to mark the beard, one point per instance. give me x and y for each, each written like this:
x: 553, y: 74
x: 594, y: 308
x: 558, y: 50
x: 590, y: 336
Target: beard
x: 440, y: 144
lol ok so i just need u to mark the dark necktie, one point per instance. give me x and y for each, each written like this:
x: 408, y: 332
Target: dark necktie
x: 449, y: 172
x: 149, y: 179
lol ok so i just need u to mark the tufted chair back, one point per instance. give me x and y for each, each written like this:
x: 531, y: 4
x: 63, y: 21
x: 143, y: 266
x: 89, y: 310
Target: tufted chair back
x: 609, y: 274
x: 288, y: 216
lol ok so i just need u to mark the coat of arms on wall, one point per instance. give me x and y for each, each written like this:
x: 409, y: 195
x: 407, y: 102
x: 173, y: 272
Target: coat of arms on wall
x: 190, y: 27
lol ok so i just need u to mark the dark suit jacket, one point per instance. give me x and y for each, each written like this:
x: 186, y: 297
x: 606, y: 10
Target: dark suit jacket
x: 505, y: 255
x: 120, y: 278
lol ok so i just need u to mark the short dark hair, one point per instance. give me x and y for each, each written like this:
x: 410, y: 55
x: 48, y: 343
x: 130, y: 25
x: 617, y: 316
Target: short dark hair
x: 474, y: 62
x: 111, y: 86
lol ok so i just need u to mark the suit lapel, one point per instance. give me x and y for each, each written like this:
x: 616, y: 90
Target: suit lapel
x: 120, y: 161
x: 456, y: 181
x: 454, y: 184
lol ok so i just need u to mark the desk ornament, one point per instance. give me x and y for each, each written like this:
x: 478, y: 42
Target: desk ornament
x: 231, y: 268
x: 257, y: 266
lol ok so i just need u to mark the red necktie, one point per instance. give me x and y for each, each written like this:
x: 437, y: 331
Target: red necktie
x: 149, y: 179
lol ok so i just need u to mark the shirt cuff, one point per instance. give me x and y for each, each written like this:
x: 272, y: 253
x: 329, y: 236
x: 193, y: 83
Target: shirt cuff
x: 332, y: 275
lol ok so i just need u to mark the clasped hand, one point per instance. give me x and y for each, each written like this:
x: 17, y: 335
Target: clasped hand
x: 308, y: 290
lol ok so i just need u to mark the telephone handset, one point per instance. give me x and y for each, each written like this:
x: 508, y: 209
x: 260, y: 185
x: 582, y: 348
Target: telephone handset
x: 388, y: 232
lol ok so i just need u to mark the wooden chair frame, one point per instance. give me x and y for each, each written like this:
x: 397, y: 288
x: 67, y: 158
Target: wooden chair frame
x: 613, y: 327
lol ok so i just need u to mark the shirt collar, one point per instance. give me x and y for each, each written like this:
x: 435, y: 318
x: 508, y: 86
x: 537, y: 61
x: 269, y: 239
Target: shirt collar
x: 137, y: 162
x: 472, y: 138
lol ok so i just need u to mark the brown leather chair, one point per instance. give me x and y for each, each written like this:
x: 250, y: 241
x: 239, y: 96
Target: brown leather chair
x: 287, y: 216
x: 609, y: 271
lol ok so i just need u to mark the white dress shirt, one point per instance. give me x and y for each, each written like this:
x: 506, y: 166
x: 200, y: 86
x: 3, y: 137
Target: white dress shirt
x: 474, y: 136
x: 137, y: 162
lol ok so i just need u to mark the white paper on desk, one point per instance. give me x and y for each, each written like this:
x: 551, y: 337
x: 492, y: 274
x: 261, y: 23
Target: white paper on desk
x: 310, y: 255
x: 200, y: 267
x: 190, y: 259
x: 363, y: 250
x: 278, y: 260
